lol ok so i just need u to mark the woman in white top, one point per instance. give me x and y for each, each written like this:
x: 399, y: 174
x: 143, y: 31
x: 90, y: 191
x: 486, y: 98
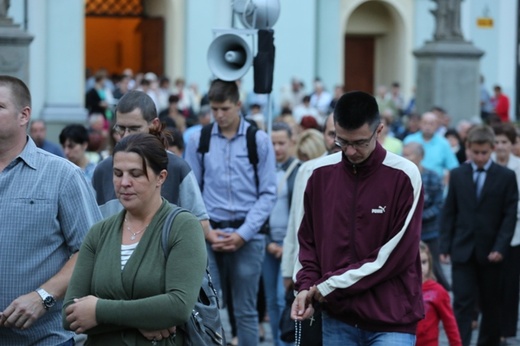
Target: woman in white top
x: 505, y: 139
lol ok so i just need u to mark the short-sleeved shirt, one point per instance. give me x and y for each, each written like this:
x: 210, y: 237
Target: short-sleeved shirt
x: 438, y: 155
x: 46, y: 207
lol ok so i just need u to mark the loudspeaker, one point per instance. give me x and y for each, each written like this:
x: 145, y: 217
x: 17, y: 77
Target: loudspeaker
x: 264, y: 62
x: 229, y: 57
x: 257, y: 14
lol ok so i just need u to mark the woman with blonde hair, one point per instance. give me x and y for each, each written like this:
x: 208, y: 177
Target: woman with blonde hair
x: 310, y: 145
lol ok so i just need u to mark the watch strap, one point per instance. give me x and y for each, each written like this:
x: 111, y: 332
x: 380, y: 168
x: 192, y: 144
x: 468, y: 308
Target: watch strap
x: 44, y: 295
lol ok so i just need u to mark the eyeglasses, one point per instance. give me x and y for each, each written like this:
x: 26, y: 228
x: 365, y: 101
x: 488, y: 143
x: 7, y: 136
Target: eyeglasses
x: 121, y: 130
x: 361, y: 144
x: 331, y: 134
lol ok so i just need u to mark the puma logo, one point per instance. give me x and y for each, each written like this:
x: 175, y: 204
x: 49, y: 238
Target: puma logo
x: 379, y: 210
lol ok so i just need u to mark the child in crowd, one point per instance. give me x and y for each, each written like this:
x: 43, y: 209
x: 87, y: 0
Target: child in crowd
x: 437, y: 307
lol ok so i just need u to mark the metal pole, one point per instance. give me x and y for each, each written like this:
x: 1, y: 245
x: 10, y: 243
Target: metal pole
x: 269, y: 115
x: 516, y: 108
x: 25, y: 16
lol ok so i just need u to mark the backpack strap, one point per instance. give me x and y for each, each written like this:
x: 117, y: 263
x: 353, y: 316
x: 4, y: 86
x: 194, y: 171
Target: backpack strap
x: 252, y: 153
x: 168, y: 223
x: 168, y: 226
x: 295, y: 162
x: 205, y: 137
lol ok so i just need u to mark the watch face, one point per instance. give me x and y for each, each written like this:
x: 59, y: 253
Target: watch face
x: 49, y: 302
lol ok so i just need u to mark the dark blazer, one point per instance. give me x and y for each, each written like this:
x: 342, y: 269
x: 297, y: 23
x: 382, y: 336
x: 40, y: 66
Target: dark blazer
x: 481, y: 226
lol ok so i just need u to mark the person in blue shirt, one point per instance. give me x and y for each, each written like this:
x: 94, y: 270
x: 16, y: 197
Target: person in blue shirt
x: 438, y: 155
x: 38, y: 132
x: 47, y: 207
x: 238, y: 207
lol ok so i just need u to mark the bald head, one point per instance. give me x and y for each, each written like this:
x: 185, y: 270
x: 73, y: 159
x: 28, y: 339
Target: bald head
x: 429, y: 124
x: 414, y: 152
x: 37, y: 131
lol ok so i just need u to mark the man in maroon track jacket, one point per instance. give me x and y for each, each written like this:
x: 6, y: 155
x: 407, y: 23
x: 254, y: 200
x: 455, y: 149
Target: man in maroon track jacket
x: 359, y: 238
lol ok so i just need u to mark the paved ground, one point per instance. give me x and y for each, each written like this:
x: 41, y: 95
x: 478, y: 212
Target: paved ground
x: 443, y: 341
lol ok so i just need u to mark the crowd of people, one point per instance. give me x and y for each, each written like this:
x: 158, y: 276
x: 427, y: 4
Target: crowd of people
x: 353, y: 202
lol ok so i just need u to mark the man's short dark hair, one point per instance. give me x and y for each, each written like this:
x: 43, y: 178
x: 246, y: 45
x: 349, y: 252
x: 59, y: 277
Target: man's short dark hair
x: 506, y: 129
x: 175, y: 140
x: 481, y: 134
x: 137, y: 99
x: 19, y: 91
x: 222, y: 91
x: 438, y: 109
x: 355, y: 109
x: 76, y: 133
x: 173, y: 98
x: 281, y: 126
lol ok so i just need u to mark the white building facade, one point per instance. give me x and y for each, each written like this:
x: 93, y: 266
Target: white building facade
x: 311, y: 39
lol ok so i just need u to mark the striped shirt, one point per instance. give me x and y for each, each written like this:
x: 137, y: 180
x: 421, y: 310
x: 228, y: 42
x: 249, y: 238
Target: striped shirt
x: 126, y: 252
x: 46, y: 207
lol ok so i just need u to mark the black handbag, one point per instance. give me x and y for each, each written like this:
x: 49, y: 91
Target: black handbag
x: 310, y: 328
x: 204, y: 327
x: 287, y: 324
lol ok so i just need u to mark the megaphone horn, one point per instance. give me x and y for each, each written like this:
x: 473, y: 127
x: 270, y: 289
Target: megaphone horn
x: 229, y: 57
x: 236, y: 57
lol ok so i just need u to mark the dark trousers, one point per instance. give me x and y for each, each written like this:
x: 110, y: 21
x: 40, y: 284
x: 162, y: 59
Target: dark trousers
x: 510, y: 290
x: 471, y: 277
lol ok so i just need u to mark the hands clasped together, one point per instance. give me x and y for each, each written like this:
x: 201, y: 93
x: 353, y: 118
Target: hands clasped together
x: 302, y: 307
x: 82, y: 316
x: 224, y: 242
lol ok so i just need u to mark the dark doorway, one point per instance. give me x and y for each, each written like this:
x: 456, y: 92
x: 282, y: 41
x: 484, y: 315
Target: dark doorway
x: 359, y: 63
x: 152, y: 38
x: 119, y: 35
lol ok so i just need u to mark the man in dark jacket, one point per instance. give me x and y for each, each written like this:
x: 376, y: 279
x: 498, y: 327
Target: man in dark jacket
x: 477, y: 224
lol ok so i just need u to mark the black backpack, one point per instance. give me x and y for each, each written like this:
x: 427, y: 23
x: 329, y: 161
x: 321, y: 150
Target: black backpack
x: 204, y: 327
x: 205, y: 137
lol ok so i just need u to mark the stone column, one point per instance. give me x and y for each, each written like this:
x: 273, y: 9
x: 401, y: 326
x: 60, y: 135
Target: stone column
x: 14, y: 46
x: 448, y: 68
x: 63, y: 25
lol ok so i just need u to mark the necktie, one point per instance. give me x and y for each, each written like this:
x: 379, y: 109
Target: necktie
x: 479, y: 181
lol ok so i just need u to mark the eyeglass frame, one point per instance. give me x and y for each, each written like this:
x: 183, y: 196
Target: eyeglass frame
x: 359, y: 144
x: 121, y: 130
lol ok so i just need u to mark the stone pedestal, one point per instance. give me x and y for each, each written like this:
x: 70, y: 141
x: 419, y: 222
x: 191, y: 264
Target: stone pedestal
x: 57, y: 116
x: 448, y: 76
x: 14, y: 50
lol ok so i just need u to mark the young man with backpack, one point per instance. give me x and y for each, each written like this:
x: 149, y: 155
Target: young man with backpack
x: 239, y: 194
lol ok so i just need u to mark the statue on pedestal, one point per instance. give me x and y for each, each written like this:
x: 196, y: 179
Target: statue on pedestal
x: 4, y: 6
x: 447, y: 20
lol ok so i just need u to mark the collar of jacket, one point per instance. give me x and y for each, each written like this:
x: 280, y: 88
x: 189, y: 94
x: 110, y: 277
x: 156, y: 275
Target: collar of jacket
x: 365, y: 168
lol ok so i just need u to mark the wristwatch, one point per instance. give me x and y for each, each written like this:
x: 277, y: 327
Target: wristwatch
x: 47, y: 299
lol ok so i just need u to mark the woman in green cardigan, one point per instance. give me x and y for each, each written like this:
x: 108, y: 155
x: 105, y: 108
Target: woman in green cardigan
x: 123, y: 290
